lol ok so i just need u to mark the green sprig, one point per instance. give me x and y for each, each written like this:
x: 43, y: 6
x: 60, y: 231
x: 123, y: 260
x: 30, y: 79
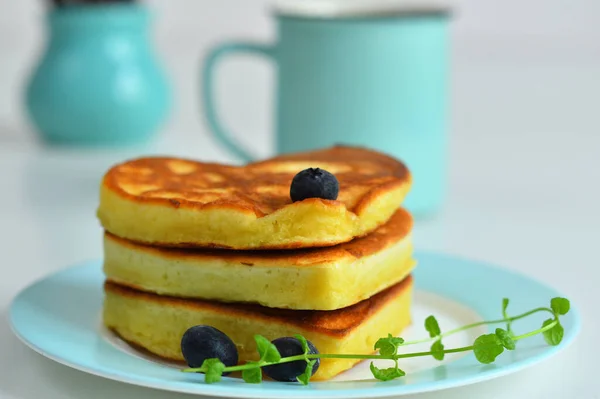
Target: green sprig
x: 433, y: 328
x: 252, y: 375
x: 386, y: 374
x: 486, y: 348
x: 388, y: 346
x: 267, y: 351
x: 437, y: 350
x: 505, y: 339
x: 304, y: 378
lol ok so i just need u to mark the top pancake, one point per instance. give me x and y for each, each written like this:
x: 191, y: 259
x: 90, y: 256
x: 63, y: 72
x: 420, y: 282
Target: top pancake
x: 184, y: 203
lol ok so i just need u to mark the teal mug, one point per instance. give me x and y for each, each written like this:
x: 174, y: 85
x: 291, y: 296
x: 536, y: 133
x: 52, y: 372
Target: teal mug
x: 370, y: 79
x: 98, y: 80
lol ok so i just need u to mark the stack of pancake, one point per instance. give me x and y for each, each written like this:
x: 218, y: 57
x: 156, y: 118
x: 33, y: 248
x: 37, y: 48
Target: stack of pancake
x: 190, y: 243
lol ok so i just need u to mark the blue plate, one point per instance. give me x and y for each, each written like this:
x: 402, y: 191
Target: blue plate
x: 60, y: 317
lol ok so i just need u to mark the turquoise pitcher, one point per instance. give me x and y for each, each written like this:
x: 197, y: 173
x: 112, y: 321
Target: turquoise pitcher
x: 98, y: 81
x: 368, y: 77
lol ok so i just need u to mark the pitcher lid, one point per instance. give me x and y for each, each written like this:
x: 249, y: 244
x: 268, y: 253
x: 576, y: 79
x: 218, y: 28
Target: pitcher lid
x: 358, y: 8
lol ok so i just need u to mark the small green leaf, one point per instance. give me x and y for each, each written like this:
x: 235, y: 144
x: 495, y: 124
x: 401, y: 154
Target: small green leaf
x: 304, y: 378
x: 267, y: 351
x: 252, y: 376
x: 487, y: 347
x: 504, y: 304
x: 437, y: 350
x: 214, y: 370
x: 505, y: 339
x: 554, y: 335
x: 388, y: 346
x: 560, y: 306
x: 432, y: 326
x: 386, y: 374
x: 303, y: 342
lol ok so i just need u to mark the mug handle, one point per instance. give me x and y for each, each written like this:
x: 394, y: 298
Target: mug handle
x: 214, y: 56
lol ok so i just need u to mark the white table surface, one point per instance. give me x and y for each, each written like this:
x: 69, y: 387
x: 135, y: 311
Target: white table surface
x: 528, y: 203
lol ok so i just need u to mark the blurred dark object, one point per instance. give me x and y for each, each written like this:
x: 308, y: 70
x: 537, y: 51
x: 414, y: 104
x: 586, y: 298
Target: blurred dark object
x: 61, y: 3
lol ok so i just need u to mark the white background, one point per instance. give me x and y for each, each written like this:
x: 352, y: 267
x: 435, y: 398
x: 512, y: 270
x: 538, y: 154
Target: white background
x: 524, y: 171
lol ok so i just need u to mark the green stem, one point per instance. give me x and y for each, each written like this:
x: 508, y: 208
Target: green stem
x: 508, y: 323
x: 392, y: 357
x: 380, y: 357
x: 328, y: 356
x: 478, y: 324
x: 532, y: 333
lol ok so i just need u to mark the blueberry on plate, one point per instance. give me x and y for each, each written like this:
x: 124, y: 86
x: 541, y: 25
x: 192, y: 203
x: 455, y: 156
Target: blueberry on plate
x: 205, y: 342
x: 314, y: 183
x: 287, y: 372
